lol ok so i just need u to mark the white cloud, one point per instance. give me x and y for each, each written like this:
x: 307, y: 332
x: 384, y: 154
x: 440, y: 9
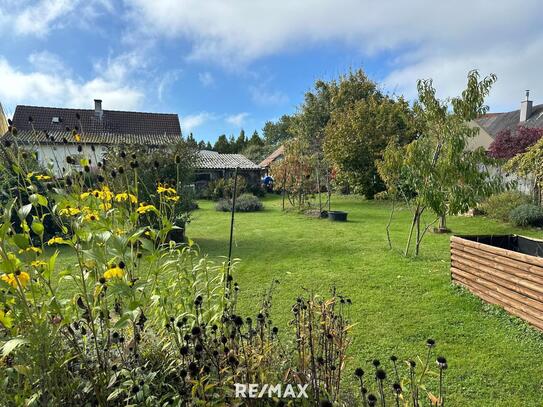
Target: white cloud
x: 38, y: 18
x: 237, y: 119
x: 518, y: 68
x: 168, y: 79
x: 427, y: 38
x: 47, y: 62
x: 262, y: 96
x: 190, y: 122
x: 206, y: 78
x: 59, y: 88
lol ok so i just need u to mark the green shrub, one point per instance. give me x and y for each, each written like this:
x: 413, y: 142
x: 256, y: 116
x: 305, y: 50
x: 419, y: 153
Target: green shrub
x: 244, y: 203
x: 499, y: 206
x: 381, y: 196
x: 224, y: 188
x: 527, y: 215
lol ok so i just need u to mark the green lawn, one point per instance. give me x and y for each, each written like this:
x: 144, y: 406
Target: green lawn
x: 494, y: 360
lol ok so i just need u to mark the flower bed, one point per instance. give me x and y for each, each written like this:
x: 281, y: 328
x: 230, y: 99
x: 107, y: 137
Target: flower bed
x: 502, y: 270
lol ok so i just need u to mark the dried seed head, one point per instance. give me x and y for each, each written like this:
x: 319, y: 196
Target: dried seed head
x: 442, y: 362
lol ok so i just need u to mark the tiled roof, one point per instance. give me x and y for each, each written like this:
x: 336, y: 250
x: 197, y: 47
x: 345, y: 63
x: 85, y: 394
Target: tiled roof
x: 266, y: 162
x: 58, y: 136
x: 111, y: 127
x: 210, y: 160
x: 493, y: 123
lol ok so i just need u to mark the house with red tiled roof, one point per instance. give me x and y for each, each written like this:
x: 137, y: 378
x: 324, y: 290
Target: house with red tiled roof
x: 55, y: 133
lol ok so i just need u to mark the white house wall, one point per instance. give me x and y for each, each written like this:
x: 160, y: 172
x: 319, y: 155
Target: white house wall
x: 54, y: 155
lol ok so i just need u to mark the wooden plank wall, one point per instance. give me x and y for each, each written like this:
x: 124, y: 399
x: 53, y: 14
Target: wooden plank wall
x: 506, y: 278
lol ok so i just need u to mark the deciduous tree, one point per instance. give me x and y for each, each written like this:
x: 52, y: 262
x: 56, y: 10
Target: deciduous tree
x: 444, y: 175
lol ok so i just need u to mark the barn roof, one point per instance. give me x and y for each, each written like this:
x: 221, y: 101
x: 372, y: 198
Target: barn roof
x: 272, y: 157
x: 211, y: 160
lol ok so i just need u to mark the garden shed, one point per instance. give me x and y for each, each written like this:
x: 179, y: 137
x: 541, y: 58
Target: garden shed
x: 210, y: 166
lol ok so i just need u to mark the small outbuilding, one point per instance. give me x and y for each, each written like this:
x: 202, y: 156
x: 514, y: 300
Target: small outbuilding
x: 210, y: 166
x: 277, y: 155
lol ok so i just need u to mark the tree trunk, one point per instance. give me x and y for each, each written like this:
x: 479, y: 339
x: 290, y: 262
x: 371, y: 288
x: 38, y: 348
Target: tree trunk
x: 419, y: 239
x: 319, y: 189
x: 388, y: 224
x: 413, y: 223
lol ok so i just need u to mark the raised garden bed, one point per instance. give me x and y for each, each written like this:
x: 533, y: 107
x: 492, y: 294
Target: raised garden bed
x: 502, y: 270
x: 338, y: 216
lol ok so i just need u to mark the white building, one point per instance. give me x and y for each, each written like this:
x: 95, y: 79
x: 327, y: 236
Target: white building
x: 492, y: 124
x: 56, y: 133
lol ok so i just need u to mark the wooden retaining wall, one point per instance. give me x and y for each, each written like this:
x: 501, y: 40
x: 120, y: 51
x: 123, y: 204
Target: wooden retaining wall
x: 503, y: 277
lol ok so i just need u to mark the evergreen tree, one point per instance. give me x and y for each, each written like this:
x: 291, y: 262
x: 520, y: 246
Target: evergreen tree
x: 221, y: 145
x: 209, y: 146
x: 255, y: 140
x: 191, y: 141
x: 241, y: 142
x: 202, y: 145
x: 231, y: 144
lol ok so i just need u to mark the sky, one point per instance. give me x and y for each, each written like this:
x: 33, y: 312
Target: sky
x: 224, y: 65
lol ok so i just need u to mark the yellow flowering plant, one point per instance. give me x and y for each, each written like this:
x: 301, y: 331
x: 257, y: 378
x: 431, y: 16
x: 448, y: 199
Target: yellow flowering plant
x: 123, y: 262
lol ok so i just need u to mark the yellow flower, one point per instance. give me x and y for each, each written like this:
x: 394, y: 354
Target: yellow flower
x: 77, y: 137
x: 107, y: 195
x: 43, y: 177
x: 126, y: 197
x: 164, y: 189
x: 55, y: 240
x: 105, y: 206
x: 38, y: 264
x: 91, y: 217
x: 11, y: 279
x: 113, y: 272
x: 69, y: 211
x: 104, y: 194
x: 173, y: 198
x: 84, y: 195
x: 31, y: 249
x: 145, y: 208
x: 30, y: 175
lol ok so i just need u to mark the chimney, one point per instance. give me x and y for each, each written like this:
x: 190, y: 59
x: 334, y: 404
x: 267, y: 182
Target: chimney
x: 98, y: 108
x: 526, y: 108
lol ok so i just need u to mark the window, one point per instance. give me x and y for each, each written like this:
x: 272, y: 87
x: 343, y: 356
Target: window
x: 55, y: 120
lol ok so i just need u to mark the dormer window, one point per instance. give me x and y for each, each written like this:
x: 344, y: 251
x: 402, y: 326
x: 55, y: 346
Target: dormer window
x: 55, y: 120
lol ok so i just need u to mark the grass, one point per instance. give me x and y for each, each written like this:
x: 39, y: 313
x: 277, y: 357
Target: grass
x: 398, y: 302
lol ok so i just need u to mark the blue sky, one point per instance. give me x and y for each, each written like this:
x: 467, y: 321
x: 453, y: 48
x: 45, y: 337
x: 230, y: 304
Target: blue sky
x: 227, y: 65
